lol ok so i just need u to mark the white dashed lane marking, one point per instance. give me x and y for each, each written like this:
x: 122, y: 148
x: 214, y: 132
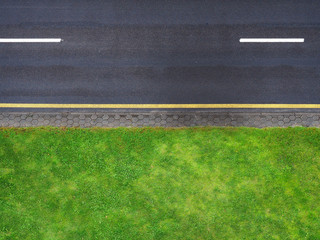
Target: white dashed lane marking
x: 271, y: 40
x: 30, y: 40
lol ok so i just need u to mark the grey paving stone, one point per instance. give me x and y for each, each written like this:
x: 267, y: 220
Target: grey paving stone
x: 169, y: 119
x: 152, y: 122
x: 16, y: 124
x: 309, y: 122
x: 76, y: 125
x: 251, y: 120
x: 268, y: 117
x: 233, y: 123
x: 216, y: 119
x: 292, y: 117
x: 99, y: 120
x: 180, y: 120
x: 187, y: 118
x: 76, y: 120
x: 163, y: 122
x: 268, y: 123
x: 49, y: 116
x: 315, y: 123
x: 274, y: 120
x: 4, y: 124
x: 164, y: 119
x: 228, y: 120
x: 23, y: 122
x: 286, y: 120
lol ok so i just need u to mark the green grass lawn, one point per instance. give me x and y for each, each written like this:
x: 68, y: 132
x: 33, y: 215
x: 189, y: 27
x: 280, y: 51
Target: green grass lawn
x: 196, y: 183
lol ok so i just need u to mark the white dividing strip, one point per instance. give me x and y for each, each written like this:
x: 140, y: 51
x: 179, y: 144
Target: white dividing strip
x: 271, y: 40
x: 30, y: 40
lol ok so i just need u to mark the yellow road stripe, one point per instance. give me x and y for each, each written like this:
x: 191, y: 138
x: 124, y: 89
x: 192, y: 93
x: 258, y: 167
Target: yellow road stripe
x: 41, y: 105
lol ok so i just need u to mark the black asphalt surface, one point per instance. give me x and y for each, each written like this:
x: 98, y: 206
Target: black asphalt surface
x: 160, y: 52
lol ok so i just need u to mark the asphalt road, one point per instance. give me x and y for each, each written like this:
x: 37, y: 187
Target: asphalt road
x: 160, y: 52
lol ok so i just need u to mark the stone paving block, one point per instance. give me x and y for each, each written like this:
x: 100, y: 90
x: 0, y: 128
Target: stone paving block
x: 99, y: 120
x: 169, y: 119
x: 286, y: 120
x: 268, y: 117
x: 292, y: 117
x: 165, y: 119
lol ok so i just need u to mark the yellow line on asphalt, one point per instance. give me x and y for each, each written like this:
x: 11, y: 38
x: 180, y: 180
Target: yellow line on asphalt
x: 49, y: 105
